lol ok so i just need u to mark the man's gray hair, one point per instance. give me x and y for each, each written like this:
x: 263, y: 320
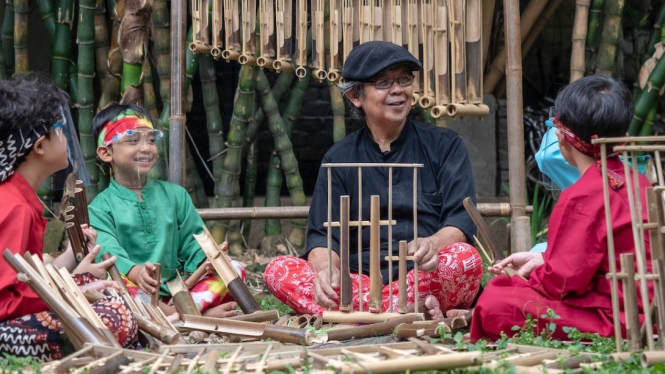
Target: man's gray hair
x: 347, y: 86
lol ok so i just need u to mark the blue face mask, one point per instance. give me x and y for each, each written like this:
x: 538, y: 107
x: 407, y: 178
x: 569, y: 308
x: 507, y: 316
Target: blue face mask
x: 558, y: 174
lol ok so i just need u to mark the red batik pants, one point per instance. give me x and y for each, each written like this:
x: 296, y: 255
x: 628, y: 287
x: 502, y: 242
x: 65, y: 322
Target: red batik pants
x: 454, y: 283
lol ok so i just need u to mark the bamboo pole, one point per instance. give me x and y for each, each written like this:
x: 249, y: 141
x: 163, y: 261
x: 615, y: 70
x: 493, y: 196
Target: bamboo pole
x: 577, y: 65
x: 375, y: 278
x: 339, y: 112
x: 519, y: 233
x: 608, y: 40
x: 47, y: 12
x: 8, y: 37
x: 593, y: 30
x: 21, y: 9
x: 231, y: 30
x: 402, y: 296
x: 251, y: 171
x: 177, y: 115
x: 498, y: 66
x: 346, y: 289
x: 335, y: 46
x: 248, y: 26
x: 318, y: 39
x: 62, y: 44
x: 488, y: 18
x: 113, y: 65
x: 649, y: 94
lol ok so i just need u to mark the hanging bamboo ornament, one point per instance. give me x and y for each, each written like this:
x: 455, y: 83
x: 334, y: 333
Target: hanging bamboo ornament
x: 248, y: 19
x: 441, y: 71
x: 347, y: 28
x: 200, y: 43
x: 284, y: 29
x: 335, y: 17
x: 458, y: 67
x: 301, y: 38
x: 346, y: 289
x: 318, y: 40
x: 375, y: 277
x: 226, y: 271
x: 267, y: 35
x: 377, y: 20
x: 427, y: 17
x: 231, y: 31
x: 412, y: 41
x: 217, y: 29
x: 393, y: 23
x: 365, y: 18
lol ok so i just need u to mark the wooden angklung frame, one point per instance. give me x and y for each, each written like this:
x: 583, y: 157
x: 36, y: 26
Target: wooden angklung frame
x: 346, y: 308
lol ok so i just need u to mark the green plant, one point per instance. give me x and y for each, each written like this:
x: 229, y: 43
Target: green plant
x: 13, y: 364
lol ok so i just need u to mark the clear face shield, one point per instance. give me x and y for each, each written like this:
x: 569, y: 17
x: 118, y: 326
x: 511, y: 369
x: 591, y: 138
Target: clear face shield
x: 66, y: 133
x: 134, y: 152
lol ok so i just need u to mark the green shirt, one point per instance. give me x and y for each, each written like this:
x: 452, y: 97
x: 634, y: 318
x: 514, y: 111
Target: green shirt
x: 158, y: 229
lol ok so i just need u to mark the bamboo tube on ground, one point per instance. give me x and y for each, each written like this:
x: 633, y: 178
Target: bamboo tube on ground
x: 330, y: 316
x: 346, y: 289
x: 371, y: 330
x: 375, y: 278
x: 630, y: 303
x: 402, y: 296
x: 182, y: 299
x: 441, y: 70
x: 577, y: 65
x: 284, y: 26
x: 651, y: 358
x: 438, y: 362
x: 267, y: 35
x: 249, y: 329
x: 231, y: 31
x: 233, y: 282
x: 417, y: 330
x: 527, y: 20
x: 301, y: 38
x: 427, y: 16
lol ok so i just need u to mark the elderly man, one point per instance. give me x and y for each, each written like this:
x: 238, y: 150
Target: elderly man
x: 379, y: 85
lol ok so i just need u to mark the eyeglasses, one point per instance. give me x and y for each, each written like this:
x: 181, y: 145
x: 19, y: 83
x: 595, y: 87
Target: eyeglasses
x: 384, y: 84
x: 134, y: 137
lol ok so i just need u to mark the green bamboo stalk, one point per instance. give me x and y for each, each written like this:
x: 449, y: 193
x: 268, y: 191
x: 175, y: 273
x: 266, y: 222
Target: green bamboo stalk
x: 656, y: 33
x: 193, y: 182
x: 284, y: 149
x: 162, y: 49
x: 251, y: 171
x: 647, y: 126
x: 595, y: 20
x: 608, y: 40
x: 649, y: 94
x: 229, y: 186
x: 3, y: 72
x: 47, y: 12
x: 21, y: 62
x: 101, y: 40
x: 62, y: 44
x: 132, y: 37
x: 158, y: 172
x: 112, y: 79
x: 191, y: 66
x: 338, y: 109
x: 8, y: 36
x: 86, y: 97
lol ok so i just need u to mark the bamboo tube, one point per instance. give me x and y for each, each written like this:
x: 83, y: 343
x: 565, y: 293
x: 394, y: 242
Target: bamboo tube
x: 176, y: 127
x: 231, y: 31
x: 233, y: 282
x: 402, y: 296
x: 284, y: 27
x: 249, y: 329
x: 346, y: 289
x: 318, y: 39
x: 577, y: 64
x: 21, y: 64
x: 47, y: 13
x: 248, y: 24
x: 427, y: 16
x: 375, y: 278
x: 200, y: 27
x: 217, y: 23
x: 76, y: 238
x: 474, y: 66
x: 498, y: 66
x: 365, y: 20
x: 267, y: 37
x: 347, y: 27
x: 519, y: 222
x: 655, y: 206
x: 413, y: 25
x: 8, y: 37
x: 392, y: 19
x: 652, y: 358
x: 182, y: 299
x: 81, y: 202
x: 371, y: 330
x: 301, y: 38
x: 377, y: 19
x: 630, y: 303
x: 457, y: 58
x: 156, y: 275
x: 441, y: 72
x: 438, y: 362
x: 417, y: 330
x: 335, y: 35
x: 115, y: 274
x: 608, y: 39
x: 196, y: 275
x: 593, y: 31
x: 330, y: 316
x: 659, y: 290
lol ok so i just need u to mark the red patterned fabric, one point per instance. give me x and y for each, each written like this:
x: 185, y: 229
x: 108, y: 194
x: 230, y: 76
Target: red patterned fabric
x: 454, y: 284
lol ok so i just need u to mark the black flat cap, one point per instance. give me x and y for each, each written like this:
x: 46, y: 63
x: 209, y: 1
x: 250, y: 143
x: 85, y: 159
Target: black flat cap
x: 369, y: 59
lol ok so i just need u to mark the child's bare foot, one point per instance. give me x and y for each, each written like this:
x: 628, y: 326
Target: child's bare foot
x: 222, y: 311
x: 429, y: 306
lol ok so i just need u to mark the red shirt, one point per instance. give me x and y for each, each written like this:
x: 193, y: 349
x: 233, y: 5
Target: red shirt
x: 21, y: 230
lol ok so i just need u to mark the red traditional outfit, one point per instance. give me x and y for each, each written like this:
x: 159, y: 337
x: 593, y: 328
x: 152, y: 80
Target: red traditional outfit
x: 27, y: 328
x: 572, y: 281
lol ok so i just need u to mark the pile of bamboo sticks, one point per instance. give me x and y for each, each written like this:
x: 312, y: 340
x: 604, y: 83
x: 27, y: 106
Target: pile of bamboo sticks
x: 445, y: 35
x: 633, y: 152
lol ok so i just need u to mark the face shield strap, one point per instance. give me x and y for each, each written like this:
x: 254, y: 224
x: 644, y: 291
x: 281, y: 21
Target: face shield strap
x: 120, y: 126
x: 16, y: 145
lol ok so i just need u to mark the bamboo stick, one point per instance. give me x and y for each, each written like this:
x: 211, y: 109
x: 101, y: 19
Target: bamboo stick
x: 371, y: 330
x: 402, y: 296
x: 301, y: 38
x: 248, y: 24
x: 577, y: 63
x: 427, y: 14
x: 438, y: 362
x: 608, y: 39
x: 267, y: 37
x: 630, y: 303
x: 659, y: 291
x: 376, y: 280
x: 346, y: 290
x: 232, y: 21
x: 413, y: 25
x: 335, y: 38
x: 249, y: 329
x: 441, y: 69
x: 284, y: 25
x: 200, y: 27
x: 156, y: 275
x: 318, y: 39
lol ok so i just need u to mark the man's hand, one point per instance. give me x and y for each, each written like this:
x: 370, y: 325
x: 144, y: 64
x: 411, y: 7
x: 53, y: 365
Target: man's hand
x: 100, y: 286
x: 88, y: 264
x: 426, y: 255
x: 524, y: 263
x: 325, y: 291
x: 145, y: 279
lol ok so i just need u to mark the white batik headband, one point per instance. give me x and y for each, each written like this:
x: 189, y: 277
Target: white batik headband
x: 16, y: 145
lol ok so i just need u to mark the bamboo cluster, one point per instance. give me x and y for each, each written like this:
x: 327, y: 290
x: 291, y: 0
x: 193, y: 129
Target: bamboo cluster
x: 444, y: 34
